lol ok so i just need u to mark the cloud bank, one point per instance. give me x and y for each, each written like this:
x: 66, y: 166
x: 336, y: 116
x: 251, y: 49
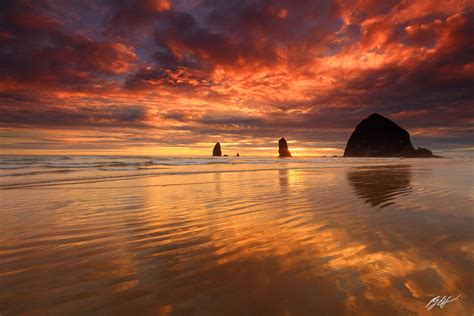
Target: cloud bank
x: 186, y: 73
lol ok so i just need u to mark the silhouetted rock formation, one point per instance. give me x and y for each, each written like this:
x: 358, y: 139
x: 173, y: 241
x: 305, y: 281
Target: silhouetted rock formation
x: 422, y: 153
x: 377, y: 136
x: 283, y: 149
x: 217, y: 150
x: 237, y: 155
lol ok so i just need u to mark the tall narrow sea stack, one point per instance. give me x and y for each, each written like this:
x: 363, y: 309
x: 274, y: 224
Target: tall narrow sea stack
x: 283, y: 149
x: 217, y: 150
x: 377, y: 136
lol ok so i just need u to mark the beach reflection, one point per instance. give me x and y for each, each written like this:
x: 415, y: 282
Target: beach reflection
x: 283, y: 180
x: 379, y: 185
x: 276, y: 242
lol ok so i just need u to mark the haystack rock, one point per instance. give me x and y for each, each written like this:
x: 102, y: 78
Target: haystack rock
x: 283, y: 149
x: 217, y: 150
x: 377, y: 136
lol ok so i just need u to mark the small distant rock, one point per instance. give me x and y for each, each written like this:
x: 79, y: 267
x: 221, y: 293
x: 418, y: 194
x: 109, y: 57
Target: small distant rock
x: 423, y: 153
x: 283, y: 149
x: 237, y: 155
x: 217, y: 150
x: 377, y: 136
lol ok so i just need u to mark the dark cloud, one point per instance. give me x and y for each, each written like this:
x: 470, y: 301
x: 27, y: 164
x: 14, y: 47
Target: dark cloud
x: 178, y: 115
x: 181, y: 78
x: 23, y: 114
x: 38, y: 51
x: 230, y: 119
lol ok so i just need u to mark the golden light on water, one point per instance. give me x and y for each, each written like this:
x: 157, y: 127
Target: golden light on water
x: 239, y: 233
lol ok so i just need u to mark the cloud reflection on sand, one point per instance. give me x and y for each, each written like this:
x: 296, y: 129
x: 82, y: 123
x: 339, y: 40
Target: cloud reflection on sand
x: 296, y: 241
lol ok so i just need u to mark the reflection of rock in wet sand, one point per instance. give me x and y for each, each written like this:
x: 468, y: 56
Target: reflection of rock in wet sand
x: 283, y: 179
x: 379, y: 185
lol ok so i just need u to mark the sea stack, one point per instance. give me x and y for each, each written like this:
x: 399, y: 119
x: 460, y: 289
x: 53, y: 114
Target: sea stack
x: 217, y: 150
x: 283, y: 149
x: 377, y: 136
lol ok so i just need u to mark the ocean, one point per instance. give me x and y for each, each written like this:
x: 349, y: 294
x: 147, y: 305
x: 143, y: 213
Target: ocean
x: 235, y: 235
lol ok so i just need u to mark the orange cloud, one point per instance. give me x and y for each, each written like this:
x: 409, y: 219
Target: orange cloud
x: 238, y: 69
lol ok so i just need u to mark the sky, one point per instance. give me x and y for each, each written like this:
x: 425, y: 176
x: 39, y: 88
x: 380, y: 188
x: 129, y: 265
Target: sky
x: 160, y: 77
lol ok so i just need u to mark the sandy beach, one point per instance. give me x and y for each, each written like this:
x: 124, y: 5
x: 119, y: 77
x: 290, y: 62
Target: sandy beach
x: 234, y: 236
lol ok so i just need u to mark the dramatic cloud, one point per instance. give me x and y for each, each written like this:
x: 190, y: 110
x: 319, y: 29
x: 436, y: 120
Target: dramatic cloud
x: 242, y: 72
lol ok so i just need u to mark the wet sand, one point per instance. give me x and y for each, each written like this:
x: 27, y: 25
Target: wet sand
x: 325, y: 237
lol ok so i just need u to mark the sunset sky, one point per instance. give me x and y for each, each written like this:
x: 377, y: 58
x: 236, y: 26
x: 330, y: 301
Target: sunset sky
x: 159, y: 77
